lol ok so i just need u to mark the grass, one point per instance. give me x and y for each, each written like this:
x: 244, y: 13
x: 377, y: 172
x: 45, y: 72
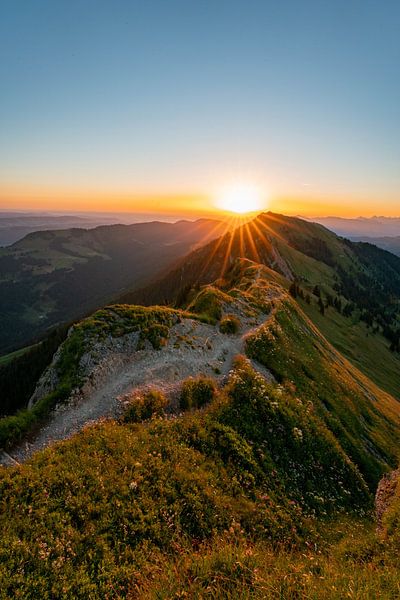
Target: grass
x: 6, y: 358
x: 367, y: 351
x: 196, y: 393
x: 173, y: 488
x: 236, y: 569
x: 229, y: 324
x: 267, y: 492
x: 300, y: 358
x: 145, y: 406
x: 210, y: 302
x: 305, y: 267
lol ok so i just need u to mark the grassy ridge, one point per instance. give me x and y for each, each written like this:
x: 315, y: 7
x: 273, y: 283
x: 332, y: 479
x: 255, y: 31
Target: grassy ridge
x: 362, y: 418
x: 265, y: 492
x: 256, y: 463
x: 364, y: 279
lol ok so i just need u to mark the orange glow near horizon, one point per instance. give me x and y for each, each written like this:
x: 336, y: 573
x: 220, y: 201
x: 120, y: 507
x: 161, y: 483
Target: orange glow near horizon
x: 191, y: 205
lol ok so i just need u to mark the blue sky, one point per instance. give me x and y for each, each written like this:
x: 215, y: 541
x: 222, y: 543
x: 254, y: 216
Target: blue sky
x: 179, y: 97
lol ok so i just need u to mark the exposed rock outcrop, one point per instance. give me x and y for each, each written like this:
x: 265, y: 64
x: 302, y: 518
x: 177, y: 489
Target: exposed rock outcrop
x: 384, y: 496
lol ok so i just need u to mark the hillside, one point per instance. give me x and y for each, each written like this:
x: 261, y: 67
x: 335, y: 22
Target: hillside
x: 379, y: 231
x: 53, y: 277
x: 16, y: 225
x: 391, y: 244
x: 357, y: 283
x: 195, y: 487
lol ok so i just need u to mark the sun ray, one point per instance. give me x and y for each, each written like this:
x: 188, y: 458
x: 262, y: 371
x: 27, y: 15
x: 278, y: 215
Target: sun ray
x: 251, y: 242
x: 233, y: 231
x: 264, y: 225
x: 241, y: 244
x: 265, y: 240
x: 217, y: 244
x: 223, y: 225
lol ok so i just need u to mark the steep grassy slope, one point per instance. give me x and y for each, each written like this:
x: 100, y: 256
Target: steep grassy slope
x: 267, y: 477
x: 54, y: 277
x: 256, y: 461
x: 363, y: 418
x: 366, y: 349
x: 362, y: 279
x: 390, y: 522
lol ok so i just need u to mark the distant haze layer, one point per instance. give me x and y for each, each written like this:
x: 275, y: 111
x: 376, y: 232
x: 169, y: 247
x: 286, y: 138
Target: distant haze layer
x: 15, y: 225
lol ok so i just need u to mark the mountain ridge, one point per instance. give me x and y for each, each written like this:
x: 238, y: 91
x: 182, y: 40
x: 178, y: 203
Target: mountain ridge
x: 364, y: 281
x: 280, y: 463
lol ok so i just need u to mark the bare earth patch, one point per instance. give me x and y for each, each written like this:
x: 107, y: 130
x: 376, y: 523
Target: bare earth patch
x: 193, y: 348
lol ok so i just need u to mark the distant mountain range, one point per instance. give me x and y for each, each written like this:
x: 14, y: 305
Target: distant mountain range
x: 391, y: 244
x: 373, y: 227
x: 15, y: 225
x: 50, y: 277
x: 383, y: 232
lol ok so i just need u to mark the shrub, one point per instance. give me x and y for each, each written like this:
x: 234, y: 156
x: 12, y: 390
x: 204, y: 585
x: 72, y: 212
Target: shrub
x: 147, y: 405
x: 196, y: 393
x: 209, y: 302
x: 229, y: 324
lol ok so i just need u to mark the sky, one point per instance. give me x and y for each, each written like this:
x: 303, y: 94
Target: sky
x: 156, y: 105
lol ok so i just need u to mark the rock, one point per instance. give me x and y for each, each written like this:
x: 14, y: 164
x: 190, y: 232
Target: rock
x: 47, y: 382
x: 98, y: 362
x: 6, y: 460
x: 384, y: 496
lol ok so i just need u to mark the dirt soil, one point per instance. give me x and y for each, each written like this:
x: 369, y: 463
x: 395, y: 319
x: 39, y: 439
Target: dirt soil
x: 193, y: 348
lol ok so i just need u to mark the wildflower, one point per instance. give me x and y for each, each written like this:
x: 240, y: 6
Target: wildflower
x: 298, y: 434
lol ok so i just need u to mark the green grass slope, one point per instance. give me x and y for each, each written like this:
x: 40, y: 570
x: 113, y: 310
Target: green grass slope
x: 82, y: 520
x: 367, y: 350
x: 265, y: 492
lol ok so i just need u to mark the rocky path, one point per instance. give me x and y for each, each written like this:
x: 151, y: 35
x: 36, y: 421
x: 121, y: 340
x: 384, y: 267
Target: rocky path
x: 193, y: 348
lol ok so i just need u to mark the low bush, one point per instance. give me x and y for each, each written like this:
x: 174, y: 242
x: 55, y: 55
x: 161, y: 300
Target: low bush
x: 229, y: 324
x: 145, y: 406
x: 196, y: 393
x: 210, y: 302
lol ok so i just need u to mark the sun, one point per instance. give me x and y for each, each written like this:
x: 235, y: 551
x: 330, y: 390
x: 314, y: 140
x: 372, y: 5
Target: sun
x: 240, y: 198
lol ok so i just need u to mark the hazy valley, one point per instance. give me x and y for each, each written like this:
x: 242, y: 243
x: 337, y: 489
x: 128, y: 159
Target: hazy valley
x: 52, y: 277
